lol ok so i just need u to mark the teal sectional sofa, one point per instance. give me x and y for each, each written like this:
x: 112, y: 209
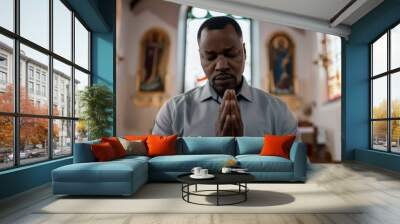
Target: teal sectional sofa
x: 125, y: 176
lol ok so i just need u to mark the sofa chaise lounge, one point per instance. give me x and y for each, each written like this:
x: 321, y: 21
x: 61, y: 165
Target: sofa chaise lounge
x: 125, y: 176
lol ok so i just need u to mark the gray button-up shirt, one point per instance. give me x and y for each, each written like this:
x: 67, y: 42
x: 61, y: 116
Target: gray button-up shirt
x: 195, y: 112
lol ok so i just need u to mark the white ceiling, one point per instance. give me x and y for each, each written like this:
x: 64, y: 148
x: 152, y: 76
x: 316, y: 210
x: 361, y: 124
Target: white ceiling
x: 315, y: 15
x: 321, y: 9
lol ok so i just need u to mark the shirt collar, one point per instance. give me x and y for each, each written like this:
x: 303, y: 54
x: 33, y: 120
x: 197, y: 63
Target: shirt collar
x: 245, y: 91
x: 208, y: 92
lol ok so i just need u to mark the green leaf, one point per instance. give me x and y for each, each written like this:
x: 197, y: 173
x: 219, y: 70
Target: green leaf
x: 96, y: 102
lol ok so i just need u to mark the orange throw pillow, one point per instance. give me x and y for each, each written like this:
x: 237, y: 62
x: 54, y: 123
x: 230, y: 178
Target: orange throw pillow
x: 161, y: 145
x: 103, y: 152
x: 116, y: 145
x: 275, y: 145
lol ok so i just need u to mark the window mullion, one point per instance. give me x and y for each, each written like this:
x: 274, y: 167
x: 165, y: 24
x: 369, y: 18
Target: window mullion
x: 16, y: 84
x: 389, y: 102
x: 50, y: 81
x: 89, y: 53
x: 371, y: 142
x: 73, y: 82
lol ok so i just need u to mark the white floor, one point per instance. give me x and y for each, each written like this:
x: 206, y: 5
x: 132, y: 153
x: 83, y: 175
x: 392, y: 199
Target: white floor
x: 377, y: 189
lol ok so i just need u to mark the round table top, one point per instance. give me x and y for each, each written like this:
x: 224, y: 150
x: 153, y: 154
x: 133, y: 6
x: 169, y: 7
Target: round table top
x: 220, y: 178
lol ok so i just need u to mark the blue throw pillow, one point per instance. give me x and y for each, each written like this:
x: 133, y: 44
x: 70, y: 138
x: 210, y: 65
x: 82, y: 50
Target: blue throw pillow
x: 249, y: 145
x: 207, y: 145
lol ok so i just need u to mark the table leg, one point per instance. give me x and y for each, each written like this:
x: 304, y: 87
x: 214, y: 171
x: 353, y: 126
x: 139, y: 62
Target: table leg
x: 182, y: 190
x: 245, y: 193
x: 217, y: 194
x: 188, y: 190
x: 196, y: 188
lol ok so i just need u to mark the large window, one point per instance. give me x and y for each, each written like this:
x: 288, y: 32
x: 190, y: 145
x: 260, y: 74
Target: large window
x: 334, y: 67
x: 194, y: 74
x: 44, y: 64
x: 385, y: 92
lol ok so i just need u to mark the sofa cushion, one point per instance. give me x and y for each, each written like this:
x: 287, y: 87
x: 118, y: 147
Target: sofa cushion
x: 277, y: 145
x: 207, y: 145
x: 83, y: 152
x: 116, y: 145
x: 161, y: 145
x: 132, y: 158
x: 136, y: 137
x: 185, y: 163
x: 249, y: 145
x: 134, y: 147
x: 111, y: 171
x: 103, y: 152
x: 257, y: 163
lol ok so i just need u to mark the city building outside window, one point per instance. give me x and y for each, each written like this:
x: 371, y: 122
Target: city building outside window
x: 43, y: 90
x: 3, y: 61
x: 3, y: 72
x: 3, y: 78
x: 38, y: 89
x: 55, y: 95
x: 44, y: 77
x: 37, y: 75
x: 30, y: 87
x: 30, y: 72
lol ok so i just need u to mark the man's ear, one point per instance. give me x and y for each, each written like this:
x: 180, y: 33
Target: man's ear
x: 201, y: 58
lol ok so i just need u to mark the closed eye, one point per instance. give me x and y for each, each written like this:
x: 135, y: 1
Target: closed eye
x: 230, y: 55
x: 211, y: 57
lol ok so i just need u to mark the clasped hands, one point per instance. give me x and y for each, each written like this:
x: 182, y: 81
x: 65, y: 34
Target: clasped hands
x: 229, y: 121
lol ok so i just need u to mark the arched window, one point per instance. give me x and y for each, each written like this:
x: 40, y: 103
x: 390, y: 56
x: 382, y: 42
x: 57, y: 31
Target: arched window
x: 194, y: 75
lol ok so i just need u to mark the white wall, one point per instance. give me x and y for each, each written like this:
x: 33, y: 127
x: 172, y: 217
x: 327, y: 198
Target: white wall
x: 326, y: 115
x: 146, y: 14
x: 311, y: 81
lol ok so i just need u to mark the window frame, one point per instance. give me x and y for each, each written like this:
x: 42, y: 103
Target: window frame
x: 3, y: 69
x: 16, y: 115
x: 388, y: 74
x: 3, y: 77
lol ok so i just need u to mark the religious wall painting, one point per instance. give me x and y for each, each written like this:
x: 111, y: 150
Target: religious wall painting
x: 281, y: 50
x: 152, y: 68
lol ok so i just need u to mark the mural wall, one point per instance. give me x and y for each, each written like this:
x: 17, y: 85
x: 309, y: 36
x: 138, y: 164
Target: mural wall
x: 147, y: 70
x: 146, y: 65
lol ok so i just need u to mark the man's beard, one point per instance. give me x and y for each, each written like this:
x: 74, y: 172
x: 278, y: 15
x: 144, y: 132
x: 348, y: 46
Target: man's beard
x: 224, y: 81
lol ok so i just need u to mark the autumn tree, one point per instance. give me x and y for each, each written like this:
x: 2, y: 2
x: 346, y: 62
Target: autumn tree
x: 6, y: 122
x: 395, y: 123
x: 33, y: 131
x: 380, y: 127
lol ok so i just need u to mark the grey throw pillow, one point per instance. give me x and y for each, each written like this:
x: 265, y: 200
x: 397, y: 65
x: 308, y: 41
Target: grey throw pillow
x: 136, y: 147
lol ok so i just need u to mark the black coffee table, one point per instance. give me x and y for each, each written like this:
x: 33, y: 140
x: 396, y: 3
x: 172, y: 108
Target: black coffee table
x: 238, y: 179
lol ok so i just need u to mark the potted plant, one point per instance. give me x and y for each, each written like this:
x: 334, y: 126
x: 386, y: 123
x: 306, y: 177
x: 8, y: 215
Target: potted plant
x: 96, y: 102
